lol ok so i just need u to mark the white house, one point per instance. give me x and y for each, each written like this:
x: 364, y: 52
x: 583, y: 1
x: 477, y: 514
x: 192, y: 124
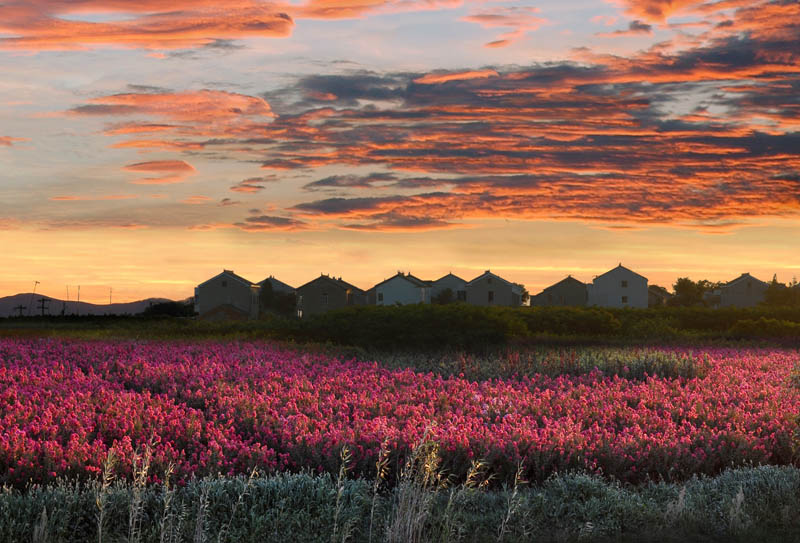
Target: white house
x: 402, y: 289
x: 456, y: 285
x: 619, y: 287
x: 744, y: 291
x: 226, y: 296
x: 491, y: 289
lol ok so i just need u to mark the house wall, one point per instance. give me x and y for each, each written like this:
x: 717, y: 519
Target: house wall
x: 478, y: 292
x: 607, y: 290
x: 745, y: 293
x: 564, y: 293
x: 311, y: 299
x: 400, y: 291
x: 453, y: 283
x: 222, y: 290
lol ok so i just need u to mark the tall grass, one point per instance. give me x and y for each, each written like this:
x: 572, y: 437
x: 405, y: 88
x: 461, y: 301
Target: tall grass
x: 751, y: 504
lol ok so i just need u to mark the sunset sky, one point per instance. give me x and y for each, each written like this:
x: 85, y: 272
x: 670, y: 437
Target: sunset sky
x: 146, y: 145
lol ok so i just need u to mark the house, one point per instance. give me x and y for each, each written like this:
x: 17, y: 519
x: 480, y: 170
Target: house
x: 276, y: 297
x: 277, y: 286
x: 619, y: 287
x: 491, y: 289
x: 744, y: 291
x: 402, y: 288
x: 657, y: 296
x: 456, y: 285
x: 326, y: 293
x: 568, y: 291
x: 226, y: 296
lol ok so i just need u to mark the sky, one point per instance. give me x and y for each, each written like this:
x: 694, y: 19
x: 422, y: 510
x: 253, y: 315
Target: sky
x: 146, y: 146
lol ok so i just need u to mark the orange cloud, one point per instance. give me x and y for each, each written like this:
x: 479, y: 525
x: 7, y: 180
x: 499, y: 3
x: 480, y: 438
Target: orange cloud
x: 174, y: 171
x: 518, y: 21
x: 7, y: 141
x: 150, y: 24
x: 444, y: 77
x: 196, y: 200
x: 93, y: 198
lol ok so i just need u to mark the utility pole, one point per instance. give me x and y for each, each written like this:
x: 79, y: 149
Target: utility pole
x: 43, y: 302
x: 110, y: 290
x: 30, y: 303
x: 20, y: 308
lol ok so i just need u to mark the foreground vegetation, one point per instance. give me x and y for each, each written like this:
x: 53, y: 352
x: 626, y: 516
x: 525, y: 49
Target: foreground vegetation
x: 425, y: 328
x: 749, y: 504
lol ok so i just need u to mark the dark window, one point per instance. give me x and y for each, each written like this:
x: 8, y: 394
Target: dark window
x: 462, y: 295
x: 324, y: 298
x: 491, y: 296
x: 549, y: 297
x: 224, y: 283
x: 380, y: 296
x: 624, y: 284
x: 489, y: 280
x: 624, y: 299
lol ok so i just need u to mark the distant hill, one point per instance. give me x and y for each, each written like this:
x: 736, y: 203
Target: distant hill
x: 56, y: 306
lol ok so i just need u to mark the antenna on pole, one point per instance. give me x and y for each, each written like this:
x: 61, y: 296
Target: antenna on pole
x: 30, y: 303
x: 110, y: 291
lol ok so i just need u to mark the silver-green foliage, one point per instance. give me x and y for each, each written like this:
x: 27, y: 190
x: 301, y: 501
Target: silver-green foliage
x: 758, y: 504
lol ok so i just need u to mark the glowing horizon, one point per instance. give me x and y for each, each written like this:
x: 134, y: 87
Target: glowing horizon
x: 146, y: 146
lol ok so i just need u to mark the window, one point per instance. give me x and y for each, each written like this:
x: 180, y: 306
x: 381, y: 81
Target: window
x: 380, y: 296
x: 324, y: 298
x: 224, y: 283
x: 624, y: 284
x: 462, y: 295
x: 491, y: 296
x: 549, y: 297
x: 624, y: 299
x: 489, y: 280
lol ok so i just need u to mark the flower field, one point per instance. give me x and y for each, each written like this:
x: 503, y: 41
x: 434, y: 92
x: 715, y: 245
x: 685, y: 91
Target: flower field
x: 225, y: 408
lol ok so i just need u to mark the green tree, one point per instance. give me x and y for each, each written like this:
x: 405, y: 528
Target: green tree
x: 447, y: 296
x: 687, y: 292
x: 276, y: 302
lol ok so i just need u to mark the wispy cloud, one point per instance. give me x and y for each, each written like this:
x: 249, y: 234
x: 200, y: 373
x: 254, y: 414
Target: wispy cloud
x: 516, y: 19
x: 171, y: 171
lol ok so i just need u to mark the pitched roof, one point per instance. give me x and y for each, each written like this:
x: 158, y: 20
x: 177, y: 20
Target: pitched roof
x: 228, y: 273
x: 623, y: 268
x: 742, y: 278
x: 489, y: 273
x: 276, y: 282
x: 442, y: 278
x: 416, y: 281
x: 567, y: 279
x: 344, y: 285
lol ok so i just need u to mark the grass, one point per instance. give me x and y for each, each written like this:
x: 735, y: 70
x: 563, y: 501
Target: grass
x: 746, y: 504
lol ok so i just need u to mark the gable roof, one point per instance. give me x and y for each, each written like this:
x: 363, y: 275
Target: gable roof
x: 276, y: 282
x: 568, y: 279
x: 488, y: 273
x: 741, y: 278
x: 454, y: 276
x: 344, y: 285
x: 228, y: 273
x: 621, y: 267
x: 416, y: 281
